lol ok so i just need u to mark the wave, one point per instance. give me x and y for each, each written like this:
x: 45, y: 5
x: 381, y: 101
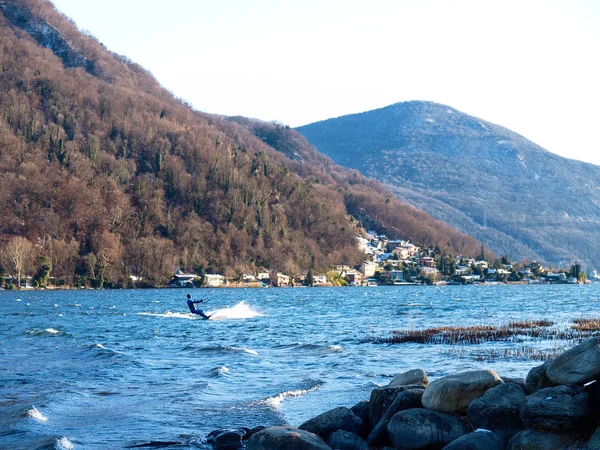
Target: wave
x: 220, y: 371
x: 240, y: 311
x: 44, y: 332
x: 102, y: 352
x: 221, y: 349
x: 317, y: 347
x: 64, y: 444
x: 35, y: 414
x: 276, y: 400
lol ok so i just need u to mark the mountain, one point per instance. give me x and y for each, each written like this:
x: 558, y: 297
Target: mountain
x: 487, y: 181
x: 107, y: 175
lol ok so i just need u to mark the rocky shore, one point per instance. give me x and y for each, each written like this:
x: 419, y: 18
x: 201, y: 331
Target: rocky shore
x: 557, y: 406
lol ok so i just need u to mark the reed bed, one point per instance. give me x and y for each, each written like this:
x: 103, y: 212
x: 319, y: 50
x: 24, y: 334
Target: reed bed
x: 510, y: 332
x: 586, y: 324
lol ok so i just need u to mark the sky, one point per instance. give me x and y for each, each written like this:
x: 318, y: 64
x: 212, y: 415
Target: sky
x: 532, y: 66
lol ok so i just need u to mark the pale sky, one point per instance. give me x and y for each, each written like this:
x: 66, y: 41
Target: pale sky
x: 532, y: 66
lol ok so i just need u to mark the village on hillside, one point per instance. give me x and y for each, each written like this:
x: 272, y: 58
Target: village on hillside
x: 387, y: 262
x: 401, y: 263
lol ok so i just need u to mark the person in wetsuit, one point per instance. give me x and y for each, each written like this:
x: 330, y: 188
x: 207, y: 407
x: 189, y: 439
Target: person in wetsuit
x: 192, y: 305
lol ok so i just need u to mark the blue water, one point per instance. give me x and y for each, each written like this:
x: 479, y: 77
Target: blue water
x: 109, y: 369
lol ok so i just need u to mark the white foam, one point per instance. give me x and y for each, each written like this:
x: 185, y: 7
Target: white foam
x: 276, y: 401
x: 335, y: 348
x: 170, y: 315
x: 240, y: 311
x: 247, y: 350
x: 64, y: 444
x: 51, y: 331
x: 36, y: 415
x: 222, y: 370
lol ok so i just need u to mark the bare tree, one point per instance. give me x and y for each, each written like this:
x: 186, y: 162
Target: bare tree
x: 18, y: 254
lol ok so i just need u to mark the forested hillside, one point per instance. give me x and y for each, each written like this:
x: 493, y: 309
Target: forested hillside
x: 516, y: 197
x: 105, y: 174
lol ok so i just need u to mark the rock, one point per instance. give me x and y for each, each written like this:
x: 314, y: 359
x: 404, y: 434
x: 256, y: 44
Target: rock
x: 519, y: 381
x: 541, y: 440
x: 229, y: 440
x: 382, y: 398
x: 285, y: 438
x: 412, y: 377
x: 254, y: 431
x: 478, y: 440
x: 499, y: 410
x: 557, y: 408
x: 594, y: 442
x: 425, y: 428
x: 453, y: 393
x: 340, y: 418
x: 593, y: 392
x: 361, y: 410
x: 578, y: 365
x: 404, y: 400
x: 344, y: 440
x: 537, y: 379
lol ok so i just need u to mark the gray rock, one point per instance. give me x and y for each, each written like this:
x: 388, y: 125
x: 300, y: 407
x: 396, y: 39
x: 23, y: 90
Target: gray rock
x: 557, y: 408
x: 578, y: 365
x: 361, y: 410
x: 519, y: 381
x: 344, y: 440
x: 404, y: 400
x: 593, y: 392
x: 453, y: 393
x: 499, y: 410
x: 254, y: 431
x: 382, y: 398
x: 412, y: 377
x: 537, y: 379
x: 340, y: 418
x: 478, y: 440
x: 542, y: 440
x: 594, y: 442
x: 229, y: 440
x: 425, y: 428
x: 285, y: 438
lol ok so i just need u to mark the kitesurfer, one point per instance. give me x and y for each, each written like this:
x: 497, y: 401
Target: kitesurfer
x: 192, y: 305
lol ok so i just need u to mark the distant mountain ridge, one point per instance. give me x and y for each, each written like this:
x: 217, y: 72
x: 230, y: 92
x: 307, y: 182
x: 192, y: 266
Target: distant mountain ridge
x: 489, y: 182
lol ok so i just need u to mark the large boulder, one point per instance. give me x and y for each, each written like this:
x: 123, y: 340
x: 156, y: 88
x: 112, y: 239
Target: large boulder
x: 361, y: 410
x: 340, y: 418
x: 478, y: 440
x: 285, y: 438
x: 229, y: 440
x: 578, y: 365
x: 382, y: 398
x: 410, y: 378
x: 453, y: 393
x: 425, y: 428
x: 344, y: 440
x: 404, y: 400
x: 530, y: 439
x: 594, y: 442
x: 537, y: 379
x: 557, y: 408
x: 499, y: 410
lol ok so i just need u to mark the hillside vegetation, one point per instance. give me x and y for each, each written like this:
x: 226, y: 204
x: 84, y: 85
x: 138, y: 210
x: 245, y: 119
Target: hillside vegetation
x: 107, y: 175
x: 516, y: 197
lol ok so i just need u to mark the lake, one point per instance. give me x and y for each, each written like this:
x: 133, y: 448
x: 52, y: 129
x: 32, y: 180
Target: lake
x: 110, y: 369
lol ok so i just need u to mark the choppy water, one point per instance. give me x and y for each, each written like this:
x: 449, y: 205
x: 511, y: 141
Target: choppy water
x: 110, y: 369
